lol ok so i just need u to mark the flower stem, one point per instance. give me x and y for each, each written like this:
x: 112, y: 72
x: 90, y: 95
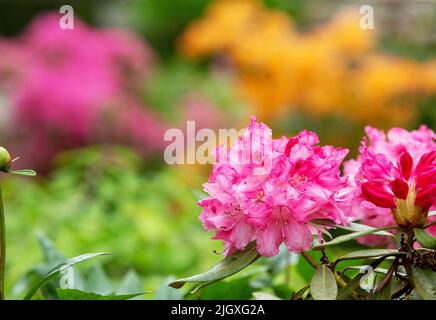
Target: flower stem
x: 2, y: 247
x: 309, y: 259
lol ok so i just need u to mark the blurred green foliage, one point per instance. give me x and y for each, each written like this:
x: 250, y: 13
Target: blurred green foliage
x: 100, y: 200
x: 178, y: 79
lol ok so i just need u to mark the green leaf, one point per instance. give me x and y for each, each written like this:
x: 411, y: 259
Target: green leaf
x: 351, y: 236
x: 258, y: 295
x: 98, y: 281
x: 425, y: 239
x: 24, y: 172
x: 371, y: 253
x: 353, y: 226
x: 384, y: 294
x: 300, y: 293
x: 74, y: 294
x: 61, y: 267
x: 354, y: 284
x: 425, y: 283
x: 323, y: 285
x: 223, y: 269
x: 51, y: 254
x: 321, y: 228
x: 237, y: 288
x: 130, y: 283
x: 377, y: 270
x: 357, y: 227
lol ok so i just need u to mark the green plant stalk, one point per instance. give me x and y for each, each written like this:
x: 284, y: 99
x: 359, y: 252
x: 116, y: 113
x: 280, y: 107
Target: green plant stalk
x: 309, y: 259
x: 409, y: 260
x: 2, y: 247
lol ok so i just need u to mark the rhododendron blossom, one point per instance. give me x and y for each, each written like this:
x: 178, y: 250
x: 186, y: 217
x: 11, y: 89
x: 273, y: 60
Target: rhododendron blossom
x: 394, y: 177
x: 68, y: 89
x: 270, y: 198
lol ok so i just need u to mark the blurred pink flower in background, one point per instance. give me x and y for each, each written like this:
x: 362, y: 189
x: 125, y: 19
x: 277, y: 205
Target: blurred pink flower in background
x: 71, y: 88
x: 392, y: 173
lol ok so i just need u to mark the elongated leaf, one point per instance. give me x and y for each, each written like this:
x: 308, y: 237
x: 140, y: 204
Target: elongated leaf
x: 323, y: 285
x: 371, y: 253
x: 24, y: 172
x: 425, y: 239
x: 350, y: 236
x: 300, y: 293
x: 225, y: 268
x: 345, y: 292
x: 74, y: 294
x: 377, y: 270
x: 353, y: 226
x: 425, y: 283
x: 264, y: 296
x: 361, y: 227
x: 384, y: 294
x: 321, y: 228
x: 61, y: 267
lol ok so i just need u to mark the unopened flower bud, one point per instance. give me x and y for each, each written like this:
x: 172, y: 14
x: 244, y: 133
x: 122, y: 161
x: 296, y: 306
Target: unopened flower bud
x: 5, y: 159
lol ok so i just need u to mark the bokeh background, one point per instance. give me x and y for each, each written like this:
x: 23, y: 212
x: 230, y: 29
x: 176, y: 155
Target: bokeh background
x: 88, y: 108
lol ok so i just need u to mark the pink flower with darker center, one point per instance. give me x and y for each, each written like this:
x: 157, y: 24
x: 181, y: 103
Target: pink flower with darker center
x: 397, y: 174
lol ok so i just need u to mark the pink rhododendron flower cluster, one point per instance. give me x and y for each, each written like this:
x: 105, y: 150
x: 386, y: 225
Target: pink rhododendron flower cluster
x: 266, y: 190
x: 65, y: 86
x: 394, y: 179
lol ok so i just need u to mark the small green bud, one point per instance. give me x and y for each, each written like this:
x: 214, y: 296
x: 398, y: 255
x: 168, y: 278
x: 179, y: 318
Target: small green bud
x: 5, y: 159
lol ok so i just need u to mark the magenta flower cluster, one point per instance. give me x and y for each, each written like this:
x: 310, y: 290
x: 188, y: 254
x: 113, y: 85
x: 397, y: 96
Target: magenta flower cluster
x: 71, y: 88
x: 268, y: 190
x: 391, y: 169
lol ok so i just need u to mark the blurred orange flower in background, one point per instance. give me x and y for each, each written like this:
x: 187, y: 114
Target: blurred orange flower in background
x: 333, y: 69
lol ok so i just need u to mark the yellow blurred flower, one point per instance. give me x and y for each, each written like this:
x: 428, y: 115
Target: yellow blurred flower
x: 334, y: 69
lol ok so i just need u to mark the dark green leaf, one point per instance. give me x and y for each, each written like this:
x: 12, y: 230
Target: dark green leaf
x: 61, y: 267
x: 425, y: 239
x: 425, y: 283
x: 354, y: 283
x: 323, y: 285
x: 74, y: 294
x: 384, y: 294
x: 237, y: 288
x: 225, y: 268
